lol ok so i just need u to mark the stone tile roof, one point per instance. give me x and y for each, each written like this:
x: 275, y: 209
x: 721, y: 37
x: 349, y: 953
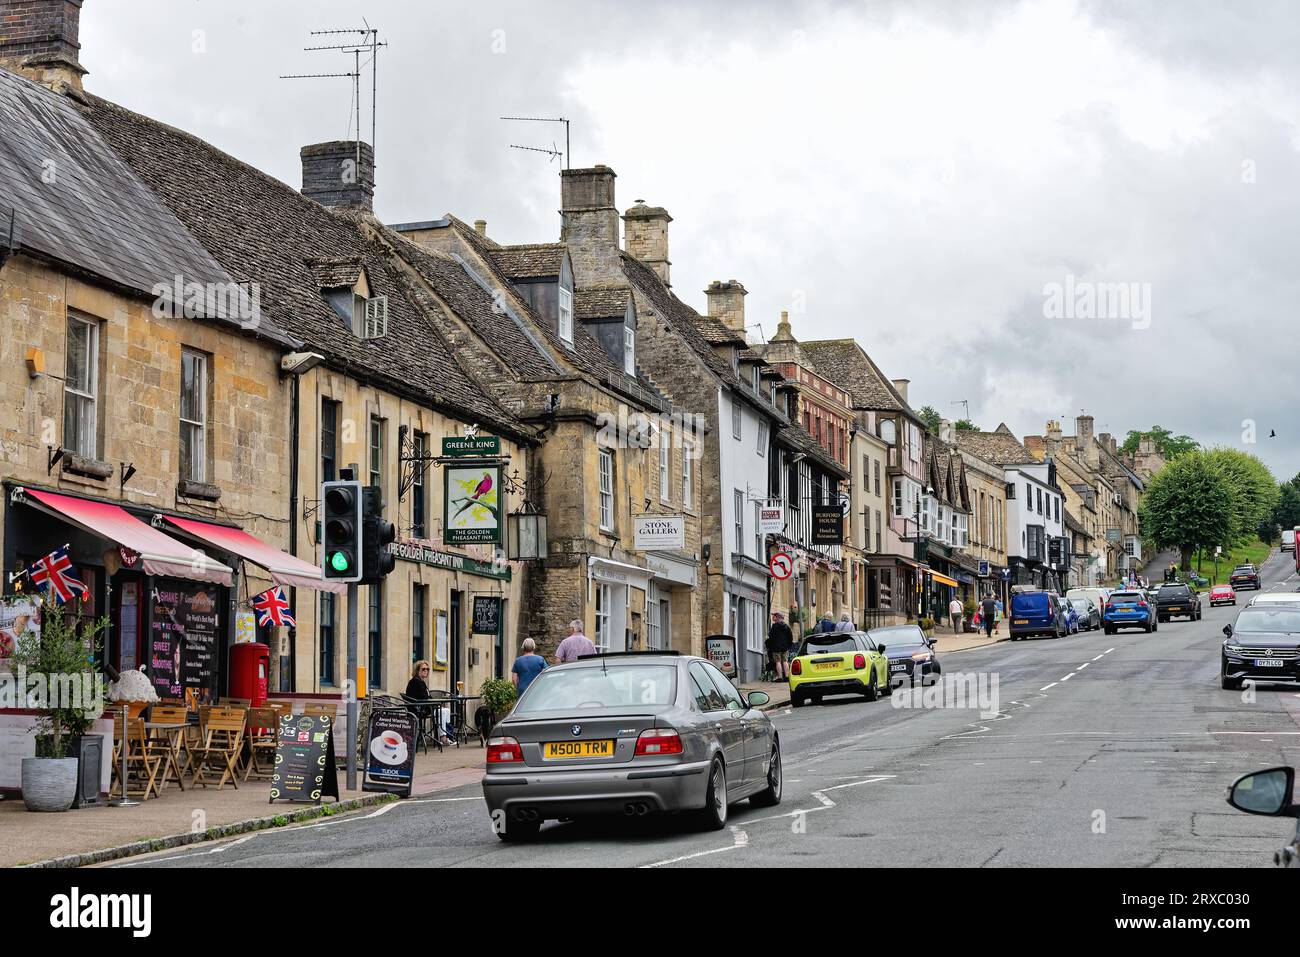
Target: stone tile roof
x: 77, y: 202
x: 336, y: 273
x: 531, y: 261
x: 600, y: 303
x: 685, y: 322
x: 587, y: 355
x: 1072, y: 523
x: 847, y: 364
x: 999, y: 446
x: 718, y: 333
x: 795, y: 436
x: 258, y: 228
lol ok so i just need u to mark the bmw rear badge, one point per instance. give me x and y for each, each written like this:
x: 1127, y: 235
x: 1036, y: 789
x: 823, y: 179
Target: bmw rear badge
x: 576, y: 729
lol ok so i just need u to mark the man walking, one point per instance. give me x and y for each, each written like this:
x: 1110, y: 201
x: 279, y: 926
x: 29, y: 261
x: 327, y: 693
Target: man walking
x: 989, y: 614
x: 575, y: 645
x: 527, y: 666
x: 955, y: 613
x: 779, y: 641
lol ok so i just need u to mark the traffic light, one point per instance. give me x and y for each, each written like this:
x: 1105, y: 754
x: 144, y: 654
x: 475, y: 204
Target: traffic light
x: 376, y: 535
x: 341, y: 560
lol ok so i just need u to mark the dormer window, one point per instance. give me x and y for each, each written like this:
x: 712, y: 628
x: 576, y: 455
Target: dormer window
x: 370, y: 316
x: 629, y: 351
x: 566, y: 316
x: 735, y: 361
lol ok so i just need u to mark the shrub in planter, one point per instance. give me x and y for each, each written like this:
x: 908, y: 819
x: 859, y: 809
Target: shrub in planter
x: 499, y: 697
x: 66, y: 692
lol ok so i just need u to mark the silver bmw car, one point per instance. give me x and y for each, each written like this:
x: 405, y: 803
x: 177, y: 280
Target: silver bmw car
x: 630, y: 734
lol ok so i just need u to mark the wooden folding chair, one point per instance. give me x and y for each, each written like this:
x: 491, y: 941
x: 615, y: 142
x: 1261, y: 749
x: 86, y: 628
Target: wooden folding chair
x: 320, y: 711
x: 169, y: 746
x: 263, y: 730
x: 142, y: 763
x: 235, y: 703
x: 222, y: 742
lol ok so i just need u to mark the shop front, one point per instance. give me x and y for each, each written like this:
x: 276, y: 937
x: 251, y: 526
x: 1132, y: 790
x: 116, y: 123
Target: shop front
x: 610, y: 594
x: 668, y: 603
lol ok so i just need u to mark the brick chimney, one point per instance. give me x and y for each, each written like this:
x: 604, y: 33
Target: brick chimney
x: 589, y: 222
x: 332, y: 176
x: 645, y: 236
x: 727, y: 302
x: 39, y: 40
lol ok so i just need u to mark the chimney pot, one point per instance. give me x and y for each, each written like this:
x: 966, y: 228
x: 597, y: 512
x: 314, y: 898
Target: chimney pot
x: 480, y: 226
x: 332, y: 176
x: 645, y: 236
x: 727, y: 302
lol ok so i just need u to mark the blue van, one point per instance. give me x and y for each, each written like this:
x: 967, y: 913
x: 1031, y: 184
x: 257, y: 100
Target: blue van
x: 1036, y: 613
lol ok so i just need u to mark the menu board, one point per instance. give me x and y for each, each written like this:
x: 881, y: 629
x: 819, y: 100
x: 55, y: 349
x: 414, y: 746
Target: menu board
x: 128, y: 625
x: 390, y: 751
x: 183, y: 640
x: 487, y: 614
x: 304, y: 759
x: 721, y: 650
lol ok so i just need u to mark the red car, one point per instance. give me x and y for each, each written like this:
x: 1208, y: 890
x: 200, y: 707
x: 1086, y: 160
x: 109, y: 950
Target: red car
x: 1222, y: 595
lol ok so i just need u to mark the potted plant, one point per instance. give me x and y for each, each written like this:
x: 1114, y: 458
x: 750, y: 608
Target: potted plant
x: 65, y: 691
x: 927, y: 625
x: 499, y: 697
x: 969, y: 609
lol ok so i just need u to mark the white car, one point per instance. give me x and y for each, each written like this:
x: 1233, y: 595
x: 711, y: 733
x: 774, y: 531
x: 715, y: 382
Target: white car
x: 1097, y: 596
x: 1276, y: 598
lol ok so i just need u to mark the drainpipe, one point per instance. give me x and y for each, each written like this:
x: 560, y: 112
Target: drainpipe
x: 293, y: 533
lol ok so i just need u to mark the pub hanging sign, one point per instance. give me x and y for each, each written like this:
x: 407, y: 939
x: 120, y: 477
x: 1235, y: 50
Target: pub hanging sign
x: 472, y: 504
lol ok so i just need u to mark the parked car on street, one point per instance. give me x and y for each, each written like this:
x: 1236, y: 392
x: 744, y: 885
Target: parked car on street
x: 911, y: 654
x: 1275, y: 598
x: 1223, y: 595
x: 1089, y: 614
x: 1096, y: 595
x: 630, y: 734
x: 1129, y: 609
x: 1245, y: 576
x: 1288, y: 539
x: 1176, y: 598
x: 1270, y: 792
x: 1263, y: 644
x: 838, y: 662
x: 1036, y: 613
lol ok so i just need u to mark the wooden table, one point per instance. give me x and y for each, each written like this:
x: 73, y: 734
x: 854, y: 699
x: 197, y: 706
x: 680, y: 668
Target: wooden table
x: 172, y: 731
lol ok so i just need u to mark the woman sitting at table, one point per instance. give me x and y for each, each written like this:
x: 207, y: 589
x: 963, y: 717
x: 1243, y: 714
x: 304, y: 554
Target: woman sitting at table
x: 418, y: 689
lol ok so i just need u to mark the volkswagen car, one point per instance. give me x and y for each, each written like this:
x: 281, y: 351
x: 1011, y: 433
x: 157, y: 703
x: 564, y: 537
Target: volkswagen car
x: 1262, y: 645
x: 838, y: 662
x: 630, y: 734
x: 1245, y: 576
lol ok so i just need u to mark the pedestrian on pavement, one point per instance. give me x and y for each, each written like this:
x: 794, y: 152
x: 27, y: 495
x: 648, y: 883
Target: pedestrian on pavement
x: 846, y: 623
x: 955, y: 613
x: 997, y: 622
x: 527, y: 666
x: 575, y: 645
x: 989, y: 614
x: 827, y: 623
x: 779, y: 641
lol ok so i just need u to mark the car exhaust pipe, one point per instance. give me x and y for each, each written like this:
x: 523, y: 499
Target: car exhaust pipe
x: 525, y: 814
x: 629, y: 809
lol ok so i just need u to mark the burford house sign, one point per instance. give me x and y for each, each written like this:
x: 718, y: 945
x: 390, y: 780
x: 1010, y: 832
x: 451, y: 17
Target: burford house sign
x: 653, y: 532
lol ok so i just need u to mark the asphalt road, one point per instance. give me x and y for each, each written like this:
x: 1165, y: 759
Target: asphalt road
x: 1103, y: 750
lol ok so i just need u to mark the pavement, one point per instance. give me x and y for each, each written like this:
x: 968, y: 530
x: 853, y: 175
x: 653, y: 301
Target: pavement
x: 1086, y: 751
x: 31, y: 837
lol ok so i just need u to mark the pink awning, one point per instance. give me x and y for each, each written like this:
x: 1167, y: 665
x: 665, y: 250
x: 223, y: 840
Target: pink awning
x: 285, y: 569
x: 160, y: 554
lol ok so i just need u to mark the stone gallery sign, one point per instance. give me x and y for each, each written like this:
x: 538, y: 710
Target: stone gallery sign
x: 657, y: 532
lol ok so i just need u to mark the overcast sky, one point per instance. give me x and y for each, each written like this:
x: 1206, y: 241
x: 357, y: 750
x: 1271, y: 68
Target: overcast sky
x: 915, y: 175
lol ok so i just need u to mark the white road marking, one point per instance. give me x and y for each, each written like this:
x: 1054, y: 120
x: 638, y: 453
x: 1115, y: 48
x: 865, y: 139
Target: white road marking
x: 1052, y: 685
x: 1069, y: 676
x: 1084, y: 665
x: 1108, y: 651
x: 688, y: 857
x: 1100, y: 656
x: 220, y: 849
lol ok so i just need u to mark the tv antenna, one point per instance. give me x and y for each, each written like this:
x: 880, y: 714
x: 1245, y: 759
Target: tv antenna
x: 965, y: 403
x: 368, y: 42
x: 544, y: 119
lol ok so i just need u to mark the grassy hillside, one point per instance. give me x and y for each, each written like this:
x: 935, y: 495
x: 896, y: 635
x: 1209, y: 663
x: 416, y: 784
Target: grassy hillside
x: 1255, y: 552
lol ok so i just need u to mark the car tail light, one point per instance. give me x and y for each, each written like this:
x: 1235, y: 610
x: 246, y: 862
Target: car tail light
x: 504, y: 751
x: 859, y: 662
x: 796, y: 668
x: 1110, y: 606
x: 1142, y: 605
x: 659, y: 741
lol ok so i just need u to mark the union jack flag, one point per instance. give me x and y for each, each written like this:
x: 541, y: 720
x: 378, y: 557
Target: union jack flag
x: 273, y: 608
x: 55, y: 571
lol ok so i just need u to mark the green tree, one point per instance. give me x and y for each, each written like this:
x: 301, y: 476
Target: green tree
x: 1286, y: 514
x: 1169, y: 445
x: 966, y: 425
x: 1257, y: 491
x: 1191, y: 503
x: 931, y: 418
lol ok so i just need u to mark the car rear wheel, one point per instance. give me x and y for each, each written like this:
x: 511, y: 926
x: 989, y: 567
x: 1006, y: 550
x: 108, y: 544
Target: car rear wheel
x: 797, y: 701
x: 516, y: 831
x: 1148, y: 627
x: 872, y: 691
x: 770, y: 796
x: 714, y: 815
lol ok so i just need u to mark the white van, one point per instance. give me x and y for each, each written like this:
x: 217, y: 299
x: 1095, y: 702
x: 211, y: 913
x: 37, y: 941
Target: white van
x: 1288, y: 540
x: 1097, y: 596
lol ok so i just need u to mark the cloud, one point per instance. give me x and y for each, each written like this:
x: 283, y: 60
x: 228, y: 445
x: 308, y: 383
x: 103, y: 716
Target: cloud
x: 909, y: 174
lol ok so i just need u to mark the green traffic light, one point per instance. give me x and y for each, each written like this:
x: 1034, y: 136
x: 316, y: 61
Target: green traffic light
x: 339, y: 561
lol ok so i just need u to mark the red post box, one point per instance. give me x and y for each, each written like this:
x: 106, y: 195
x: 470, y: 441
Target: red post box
x: 250, y: 664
